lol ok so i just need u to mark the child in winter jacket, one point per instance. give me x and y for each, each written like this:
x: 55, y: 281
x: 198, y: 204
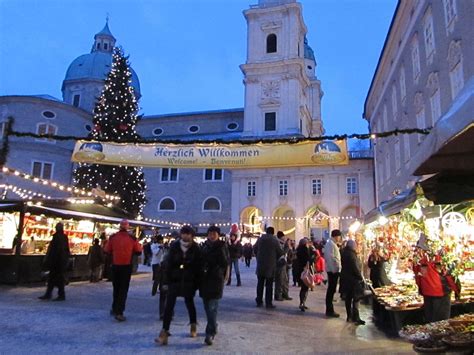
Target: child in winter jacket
x: 320, y: 268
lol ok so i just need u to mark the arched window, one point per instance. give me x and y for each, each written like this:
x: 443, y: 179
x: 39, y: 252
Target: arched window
x: 211, y: 204
x: 167, y: 204
x: 271, y: 43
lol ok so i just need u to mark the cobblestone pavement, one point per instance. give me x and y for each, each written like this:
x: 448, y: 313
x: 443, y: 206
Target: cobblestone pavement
x: 82, y: 323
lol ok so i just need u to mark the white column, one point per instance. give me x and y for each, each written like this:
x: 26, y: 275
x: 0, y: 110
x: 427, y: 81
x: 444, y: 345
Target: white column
x: 236, y: 204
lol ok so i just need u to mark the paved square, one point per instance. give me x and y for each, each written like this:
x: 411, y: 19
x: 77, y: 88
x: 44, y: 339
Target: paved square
x: 82, y: 323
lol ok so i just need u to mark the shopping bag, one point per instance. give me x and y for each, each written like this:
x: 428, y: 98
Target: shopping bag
x: 307, y: 277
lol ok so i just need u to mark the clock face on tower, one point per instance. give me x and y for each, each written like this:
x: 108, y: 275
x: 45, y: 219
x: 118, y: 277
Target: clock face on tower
x: 271, y: 88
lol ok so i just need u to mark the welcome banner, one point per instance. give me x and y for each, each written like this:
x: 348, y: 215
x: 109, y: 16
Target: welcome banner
x: 225, y: 156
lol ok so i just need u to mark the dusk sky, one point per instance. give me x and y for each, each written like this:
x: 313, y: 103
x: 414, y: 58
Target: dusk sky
x: 187, y: 52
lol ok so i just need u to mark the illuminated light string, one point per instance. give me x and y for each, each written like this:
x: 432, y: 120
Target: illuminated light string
x: 24, y: 196
x: 325, y: 217
x: 157, y: 221
x: 176, y: 225
x: 24, y: 192
x: 54, y: 184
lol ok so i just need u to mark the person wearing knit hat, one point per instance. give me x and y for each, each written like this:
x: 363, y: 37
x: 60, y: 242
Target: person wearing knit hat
x: 182, y: 274
x: 121, y: 247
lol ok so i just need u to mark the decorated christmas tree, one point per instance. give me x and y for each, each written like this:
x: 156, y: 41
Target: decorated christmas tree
x: 115, y: 119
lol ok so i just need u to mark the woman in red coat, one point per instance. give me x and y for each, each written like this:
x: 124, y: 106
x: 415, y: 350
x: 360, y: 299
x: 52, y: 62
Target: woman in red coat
x: 435, y: 285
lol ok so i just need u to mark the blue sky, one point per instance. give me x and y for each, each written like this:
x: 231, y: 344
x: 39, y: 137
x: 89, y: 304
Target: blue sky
x: 187, y: 52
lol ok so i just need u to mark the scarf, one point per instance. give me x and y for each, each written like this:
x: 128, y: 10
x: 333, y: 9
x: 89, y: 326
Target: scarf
x: 184, y: 245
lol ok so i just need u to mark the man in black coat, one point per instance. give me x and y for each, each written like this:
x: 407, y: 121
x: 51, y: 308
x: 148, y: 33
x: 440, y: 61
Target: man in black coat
x: 215, y: 259
x: 183, y: 272
x: 268, y: 251
x: 351, y: 279
x: 56, y: 261
x: 281, y: 274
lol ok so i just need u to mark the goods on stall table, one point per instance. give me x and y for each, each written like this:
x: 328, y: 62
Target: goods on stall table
x: 405, y: 296
x: 436, y: 336
x: 42, y: 229
x: 467, y: 286
x: 399, y: 297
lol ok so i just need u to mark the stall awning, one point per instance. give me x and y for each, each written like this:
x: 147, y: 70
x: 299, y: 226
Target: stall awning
x: 67, y: 213
x: 450, y: 145
x: 392, y: 206
x: 65, y: 209
x: 449, y: 188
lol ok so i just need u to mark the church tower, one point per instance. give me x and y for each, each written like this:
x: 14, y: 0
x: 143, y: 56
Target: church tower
x: 282, y: 93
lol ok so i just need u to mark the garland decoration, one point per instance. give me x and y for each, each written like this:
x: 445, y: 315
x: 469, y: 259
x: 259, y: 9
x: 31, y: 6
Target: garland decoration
x: 250, y: 141
x: 6, y: 143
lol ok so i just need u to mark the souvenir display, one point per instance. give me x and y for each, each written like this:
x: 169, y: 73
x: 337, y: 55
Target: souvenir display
x: 423, y: 231
x: 454, y: 333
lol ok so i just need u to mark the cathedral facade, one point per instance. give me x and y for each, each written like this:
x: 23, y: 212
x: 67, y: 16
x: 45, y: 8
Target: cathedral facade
x: 282, y: 99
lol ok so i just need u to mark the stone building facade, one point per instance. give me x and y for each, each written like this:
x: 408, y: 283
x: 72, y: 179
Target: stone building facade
x: 427, y: 59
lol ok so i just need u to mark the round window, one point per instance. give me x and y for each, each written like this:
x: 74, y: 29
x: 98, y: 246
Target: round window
x: 194, y: 129
x: 88, y: 127
x: 310, y: 67
x: 49, y: 114
x: 158, y: 131
x: 232, y: 126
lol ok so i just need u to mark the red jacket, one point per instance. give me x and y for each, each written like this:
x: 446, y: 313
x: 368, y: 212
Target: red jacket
x: 429, y: 281
x: 122, y: 246
x: 319, y: 263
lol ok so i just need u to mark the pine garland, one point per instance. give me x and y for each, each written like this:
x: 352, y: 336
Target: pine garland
x: 289, y: 140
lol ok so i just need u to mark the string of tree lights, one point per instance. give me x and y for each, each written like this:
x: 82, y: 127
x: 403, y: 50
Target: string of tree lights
x: 115, y: 119
x: 56, y: 185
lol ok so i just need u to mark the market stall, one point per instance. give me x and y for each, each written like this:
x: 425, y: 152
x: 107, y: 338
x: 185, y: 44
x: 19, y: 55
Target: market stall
x: 411, y: 227
x: 453, y: 335
x: 26, y: 228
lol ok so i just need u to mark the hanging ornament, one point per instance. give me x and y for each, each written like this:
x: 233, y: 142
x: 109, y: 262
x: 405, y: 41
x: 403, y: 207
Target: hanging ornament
x: 453, y: 222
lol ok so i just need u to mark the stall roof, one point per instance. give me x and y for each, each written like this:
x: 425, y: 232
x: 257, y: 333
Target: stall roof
x: 392, y: 206
x: 450, y: 145
x: 63, y: 208
x: 449, y: 188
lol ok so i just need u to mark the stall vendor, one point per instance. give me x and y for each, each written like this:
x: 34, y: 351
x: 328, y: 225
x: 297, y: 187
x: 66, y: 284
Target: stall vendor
x: 376, y: 264
x: 28, y: 246
x: 435, y: 285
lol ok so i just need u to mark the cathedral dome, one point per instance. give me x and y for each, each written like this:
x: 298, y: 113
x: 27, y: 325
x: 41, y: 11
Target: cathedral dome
x: 96, y: 66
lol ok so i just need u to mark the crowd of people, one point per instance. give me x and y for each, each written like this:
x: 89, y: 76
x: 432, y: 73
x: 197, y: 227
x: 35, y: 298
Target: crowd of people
x: 183, y: 267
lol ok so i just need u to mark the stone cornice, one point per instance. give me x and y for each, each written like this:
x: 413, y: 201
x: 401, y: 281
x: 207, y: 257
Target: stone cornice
x: 289, y: 69
x: 9, y: 99
x: 255, y: 12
